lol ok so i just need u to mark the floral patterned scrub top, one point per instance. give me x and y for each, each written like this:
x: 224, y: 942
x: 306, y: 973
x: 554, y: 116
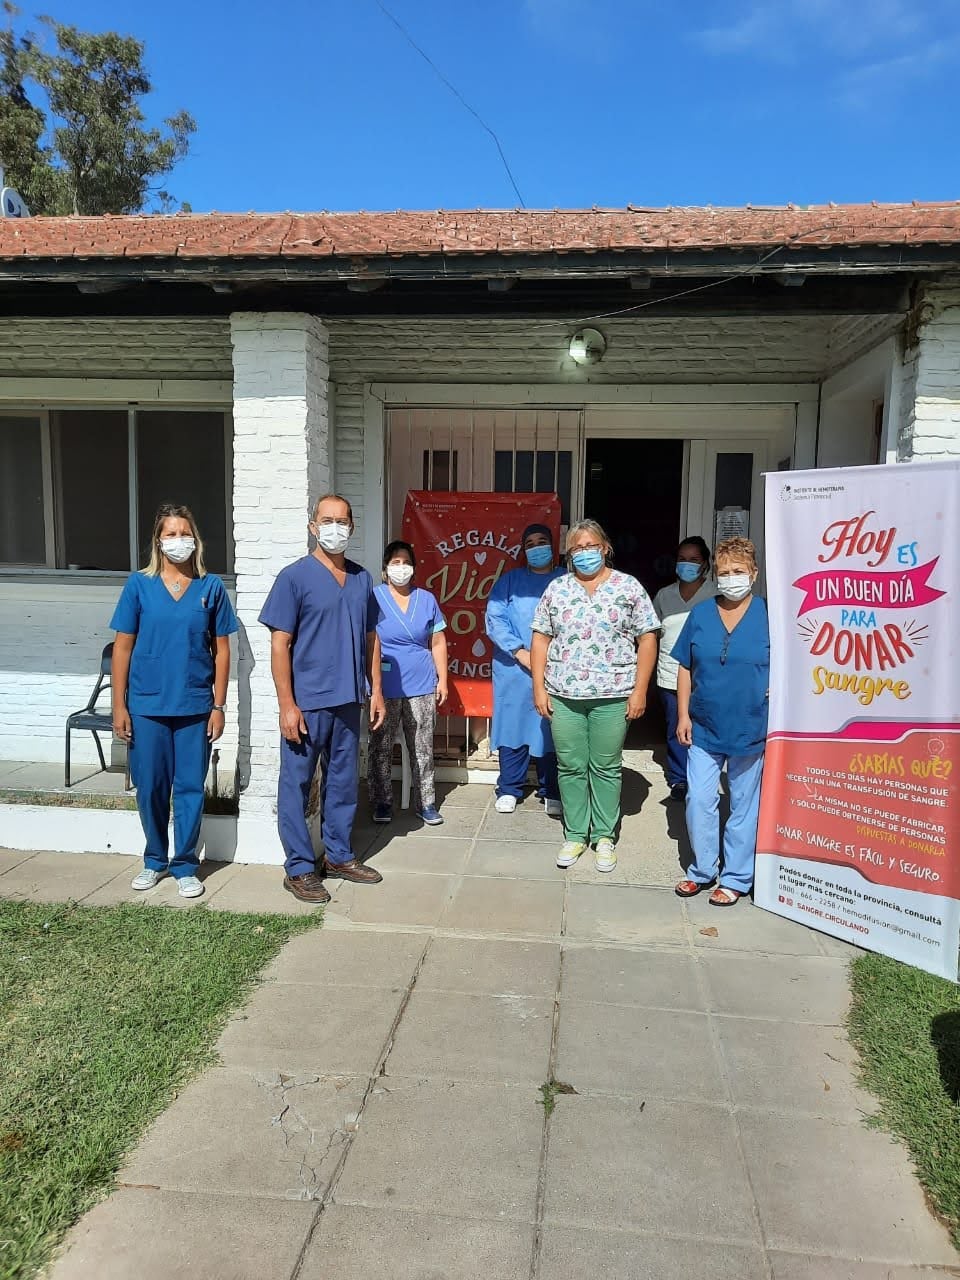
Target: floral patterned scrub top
x: 593, y: 654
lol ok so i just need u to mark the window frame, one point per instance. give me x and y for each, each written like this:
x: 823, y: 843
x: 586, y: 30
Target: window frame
x: 52, y: 505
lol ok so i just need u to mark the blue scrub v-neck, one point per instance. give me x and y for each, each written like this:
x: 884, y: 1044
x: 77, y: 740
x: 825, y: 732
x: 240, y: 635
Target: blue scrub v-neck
x: 172, y: 666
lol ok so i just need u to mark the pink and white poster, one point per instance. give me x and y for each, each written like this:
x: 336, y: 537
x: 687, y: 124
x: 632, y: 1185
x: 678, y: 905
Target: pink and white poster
x: 860, y: 816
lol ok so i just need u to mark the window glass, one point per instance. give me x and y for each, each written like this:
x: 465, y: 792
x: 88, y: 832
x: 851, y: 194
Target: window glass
x: 734, y: 480
x: 181, y: 458
x: 22, y: 528
x: 436, y: 470
x: 91, y: 450
x: 553, y: 474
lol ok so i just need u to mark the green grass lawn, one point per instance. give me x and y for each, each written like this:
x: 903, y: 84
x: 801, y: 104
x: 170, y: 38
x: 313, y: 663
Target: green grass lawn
x: 104, y: 1013
x: 906, y: 1026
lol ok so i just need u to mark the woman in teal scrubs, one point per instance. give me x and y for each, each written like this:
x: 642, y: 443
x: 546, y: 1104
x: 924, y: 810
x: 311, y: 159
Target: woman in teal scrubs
x: 171, y: 663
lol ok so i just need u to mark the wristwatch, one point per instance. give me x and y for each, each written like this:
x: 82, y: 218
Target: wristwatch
x: 222, y: 708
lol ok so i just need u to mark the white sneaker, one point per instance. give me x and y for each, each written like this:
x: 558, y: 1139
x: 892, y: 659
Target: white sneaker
x: 570, y: 851
x: 606, y: 855
x: 189, y: 887
x: 505, y: 804
x: 553, y: 808
x: 146, y: 879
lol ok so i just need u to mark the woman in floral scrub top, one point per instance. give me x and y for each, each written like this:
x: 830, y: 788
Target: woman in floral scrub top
x: 593, y: 653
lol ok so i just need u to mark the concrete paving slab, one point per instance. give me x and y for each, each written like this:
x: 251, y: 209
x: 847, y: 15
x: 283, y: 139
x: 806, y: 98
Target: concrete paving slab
x: 459, y: 822
x: 606, y: 1048
x: 469, y: 1150
x: 786, y: 988
x: 413, y: 853
x: 749, y: 928
x: 353, y: 1243
x: 307, y: 1028
x: 470, y: 795
x: 572, y: 1254
x: 214, y: 875
x: 8, y: 767
x: 528, y: 822
x: 617, y: 914
x: 454, y: 1036
x: 792, y: 1066
x: 164, y: 1235
x: 615, y: 1163
x: 490, y: 967
x: 646, y: 979
x: 492, y: 906
x: 803, y: 1168
x: 10, y: 858
x: 791, y: 1266
x: 359, y: 959
x: 404, y: 898
x: 238, y: 1133
x: 63, y: 877
x: 260, y: 889
x: 528, y: 861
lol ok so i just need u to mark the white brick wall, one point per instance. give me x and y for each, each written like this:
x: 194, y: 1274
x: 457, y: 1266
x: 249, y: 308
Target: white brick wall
x: 930, y: 427
x: 115, y: 347
x: 281, y: 465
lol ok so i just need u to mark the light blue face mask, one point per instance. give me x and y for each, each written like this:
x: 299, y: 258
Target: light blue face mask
x: 688, y: 572
x: 587, y: 562
x: 539, y: 557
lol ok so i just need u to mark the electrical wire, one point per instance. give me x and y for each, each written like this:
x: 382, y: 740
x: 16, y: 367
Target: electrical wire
x: 456, y: 93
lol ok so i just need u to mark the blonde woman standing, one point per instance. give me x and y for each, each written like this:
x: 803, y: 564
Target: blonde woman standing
x: 592, y: 655
x: 171, y: 664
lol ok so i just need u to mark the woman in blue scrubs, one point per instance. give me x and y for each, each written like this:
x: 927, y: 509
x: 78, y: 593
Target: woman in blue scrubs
x: 519, y: 732
x: 413, y: 665
x: 723, y: 686
x: 171, y: 663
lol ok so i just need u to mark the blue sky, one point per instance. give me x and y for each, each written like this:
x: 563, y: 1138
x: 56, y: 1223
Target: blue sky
x: 314, y: 104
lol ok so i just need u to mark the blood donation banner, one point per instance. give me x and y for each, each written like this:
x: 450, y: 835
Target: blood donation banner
x: 464, y: 542
x: 859, y: 816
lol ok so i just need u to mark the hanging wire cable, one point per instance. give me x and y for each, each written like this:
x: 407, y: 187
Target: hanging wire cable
x: 456, y: 93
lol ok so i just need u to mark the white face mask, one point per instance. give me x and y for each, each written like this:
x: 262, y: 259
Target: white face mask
x: 734, y: 586
x: 178, y: 549
x: 399, y: 574
x: 333, y: 537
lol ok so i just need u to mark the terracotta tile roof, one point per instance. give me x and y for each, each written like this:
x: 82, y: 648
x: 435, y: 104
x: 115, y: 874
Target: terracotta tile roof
x: 376, y: 235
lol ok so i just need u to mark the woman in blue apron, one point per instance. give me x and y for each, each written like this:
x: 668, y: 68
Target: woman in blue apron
x: 171, y: 663
x: 413, y: 664
x: 519, y: 733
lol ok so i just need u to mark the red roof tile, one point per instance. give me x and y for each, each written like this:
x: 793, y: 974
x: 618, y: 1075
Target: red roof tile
x: 371, y: 235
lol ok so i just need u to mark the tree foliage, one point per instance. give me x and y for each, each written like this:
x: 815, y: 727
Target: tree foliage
x: 89, y: 149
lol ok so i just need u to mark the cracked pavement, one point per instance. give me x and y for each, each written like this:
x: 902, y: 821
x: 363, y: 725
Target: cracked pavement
x: 377, y: 1107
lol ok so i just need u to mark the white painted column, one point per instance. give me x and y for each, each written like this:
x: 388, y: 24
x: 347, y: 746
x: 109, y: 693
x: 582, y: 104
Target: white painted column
x: 930, y: 381
x: 281, y: 460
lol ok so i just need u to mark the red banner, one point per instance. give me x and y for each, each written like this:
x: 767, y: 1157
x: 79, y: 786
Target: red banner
x: 464, y: 542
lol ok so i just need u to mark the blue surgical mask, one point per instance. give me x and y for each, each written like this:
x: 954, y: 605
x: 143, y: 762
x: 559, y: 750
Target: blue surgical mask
x: 687, y: 571
x: 587, y: 562
x: 539, y: 557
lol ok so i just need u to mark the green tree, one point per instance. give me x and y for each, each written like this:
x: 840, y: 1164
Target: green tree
x: 93, y: 151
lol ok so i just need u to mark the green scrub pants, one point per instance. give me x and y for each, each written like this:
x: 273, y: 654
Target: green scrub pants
x: 588, y: 736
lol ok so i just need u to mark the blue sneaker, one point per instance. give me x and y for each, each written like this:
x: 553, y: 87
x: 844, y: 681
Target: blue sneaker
x: 383, y: 813
x: 430, y: 815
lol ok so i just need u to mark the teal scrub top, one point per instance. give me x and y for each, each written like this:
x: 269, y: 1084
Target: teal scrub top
x: 171, y: 669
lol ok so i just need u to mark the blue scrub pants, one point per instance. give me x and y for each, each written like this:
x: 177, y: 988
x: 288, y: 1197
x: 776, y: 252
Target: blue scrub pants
x: 703, y: 817
x: 514, y: 763
x: 676, y: 751
x: 170, y: 754
x: 333, y: 742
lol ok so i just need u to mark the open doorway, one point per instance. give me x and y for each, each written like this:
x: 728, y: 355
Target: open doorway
x: 634, y: 488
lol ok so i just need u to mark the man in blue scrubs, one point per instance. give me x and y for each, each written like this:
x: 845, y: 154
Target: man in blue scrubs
x: 324, y: 649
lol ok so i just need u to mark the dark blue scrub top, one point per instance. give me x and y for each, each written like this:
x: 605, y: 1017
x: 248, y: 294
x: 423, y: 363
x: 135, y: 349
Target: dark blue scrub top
x: 729, y: 700
x: 329, y: 625
x: 406, y: 654
x: 171, y: 669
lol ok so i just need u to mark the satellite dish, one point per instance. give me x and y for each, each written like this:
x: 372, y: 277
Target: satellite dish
x: 12, y: 204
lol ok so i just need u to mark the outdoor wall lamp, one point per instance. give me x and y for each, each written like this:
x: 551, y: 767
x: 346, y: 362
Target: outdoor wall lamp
x: 587, y: 346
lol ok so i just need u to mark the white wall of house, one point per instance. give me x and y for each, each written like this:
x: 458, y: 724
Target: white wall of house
x: 930, y: 404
